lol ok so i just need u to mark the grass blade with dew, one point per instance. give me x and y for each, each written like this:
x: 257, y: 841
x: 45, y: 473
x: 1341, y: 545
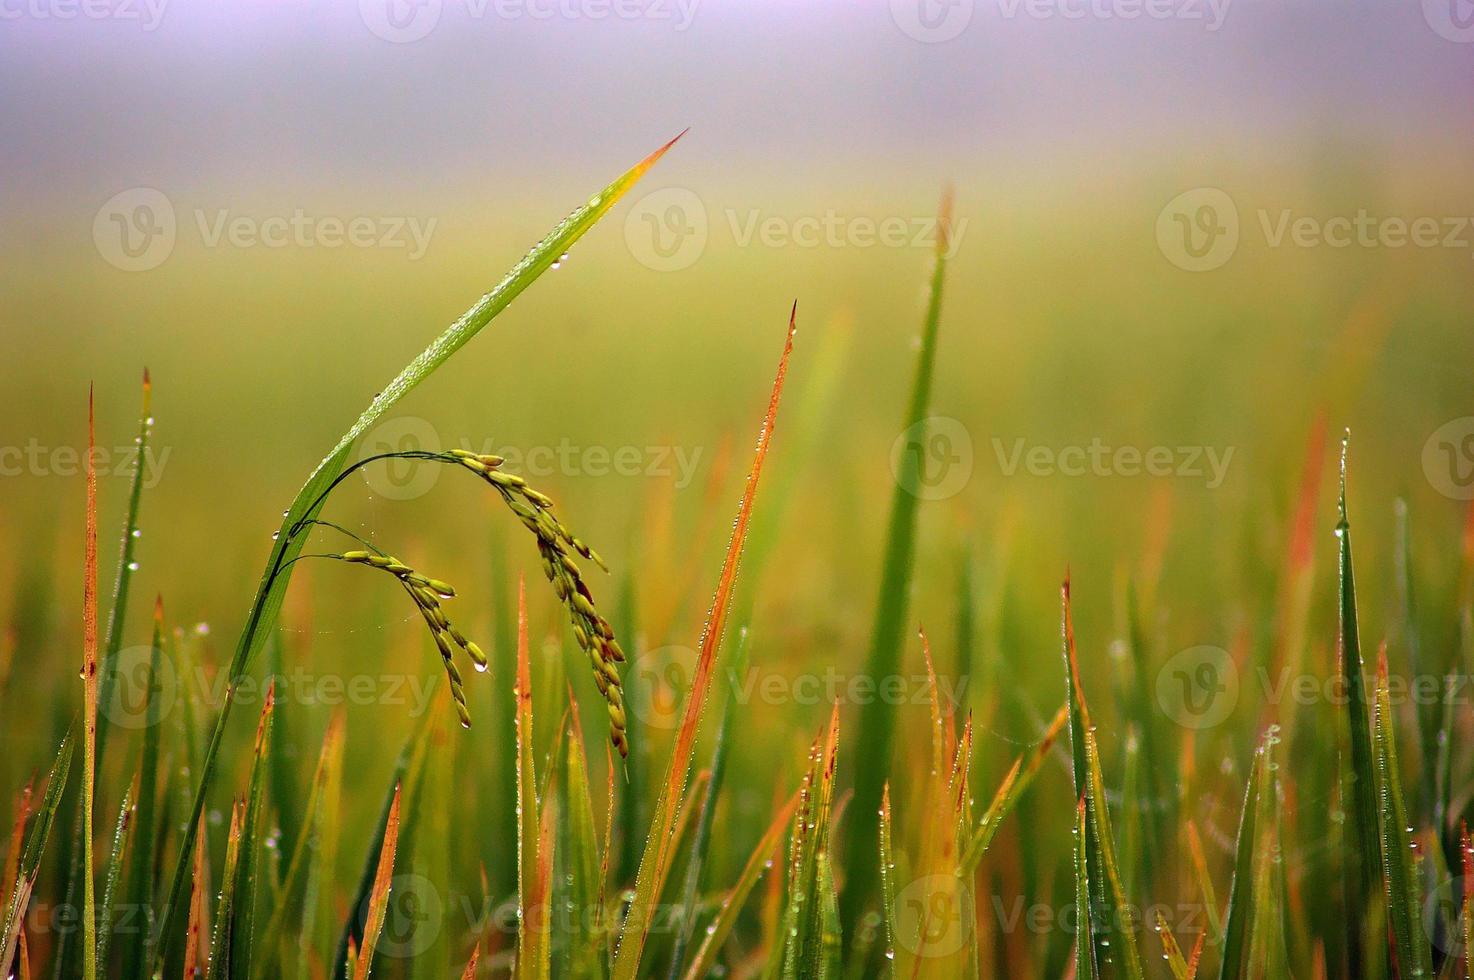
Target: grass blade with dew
x: 89, y: 715
x: 877, y: 723
x: 704, y: 962
x: 1171, y: 952
x: 1399, y: 857
x: 289, y: 905
x: 659, y: 845
x: 532, y: 938
x: 578, y: 855
x: 803, y: 926
x: 1358, y: 775
x: 1466, y: 914
x: 141, y: 871
x: 1084, y: 951
x: 1106, y: 898
x: 222, y: 940
x: 1118, y: 907
x: 127, y: 564
x: 1236, y: 932
x: 113, y: 638
x: 266, y: 605
x: 378, y: 907
x: 249, y: 872
x: 114, y: 873
x: 888, y: 890
x: 29, y: 865
x: 700, y: 842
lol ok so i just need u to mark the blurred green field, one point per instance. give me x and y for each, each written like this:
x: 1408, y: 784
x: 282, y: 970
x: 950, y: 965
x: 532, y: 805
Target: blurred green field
x: 1063, y: 325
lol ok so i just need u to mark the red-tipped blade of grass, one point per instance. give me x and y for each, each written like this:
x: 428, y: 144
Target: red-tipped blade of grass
x: 655, y: 862
x: 89, y: 717
x: 29, y: 865
x: 1171, y: 952
x: 17, y: 837
x: 1084, y: 951
x: 378, y: 907
x: 223, y: 938
x: 1466, y: 915
x: 289, y: 904
x: 470, y: 971
x: 195, y: 949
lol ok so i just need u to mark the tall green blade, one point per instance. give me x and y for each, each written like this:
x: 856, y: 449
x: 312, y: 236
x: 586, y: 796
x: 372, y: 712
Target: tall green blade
x: 877, y: 723
x: 1403, y: 888
x: 141, y: 871
x: 1358, y: 776
x: 1241, y: 898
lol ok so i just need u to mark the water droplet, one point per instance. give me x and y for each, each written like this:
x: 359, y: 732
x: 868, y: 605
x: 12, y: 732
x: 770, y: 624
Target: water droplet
x: 482, y: 668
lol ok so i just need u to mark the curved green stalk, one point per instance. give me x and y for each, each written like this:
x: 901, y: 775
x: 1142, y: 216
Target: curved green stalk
x: 269, y: 596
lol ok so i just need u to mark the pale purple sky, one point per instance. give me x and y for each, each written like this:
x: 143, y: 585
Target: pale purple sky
x: 304, y: 92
